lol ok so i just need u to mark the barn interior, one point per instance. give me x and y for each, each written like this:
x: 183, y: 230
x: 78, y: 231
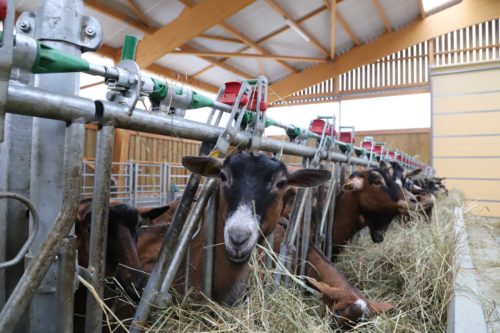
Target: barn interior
x: 104, y: 100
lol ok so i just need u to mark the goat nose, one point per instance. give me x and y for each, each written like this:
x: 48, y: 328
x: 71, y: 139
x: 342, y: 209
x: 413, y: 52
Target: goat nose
x: 239, y: 238
x: 413, y: 200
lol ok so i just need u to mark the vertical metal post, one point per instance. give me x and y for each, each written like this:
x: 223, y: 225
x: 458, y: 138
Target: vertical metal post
x: 37, y: 269
x: 55, y: 23
x: 65, y: 284
x: 208, y: 265
x: 130, y: 182
x: 99, y: 224
x: 166, y: 252
x: 306, y: 232
x: 331, y: 211
x: 287, y: 248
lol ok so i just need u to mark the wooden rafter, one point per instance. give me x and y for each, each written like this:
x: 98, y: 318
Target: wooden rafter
x: 463, y: 14
x: 348, y: 29
x: 333, y: 23
x: 229, y: 28
x: 188, y: 25
x: 123, y: 18
x: 381, y: 12
x: 272, y: 34
x: 219, y: 63
x: 220, y: 38
x: 138, y: 11
x: 421, y: 7
x: 280, y: 10
x: 250, y: 55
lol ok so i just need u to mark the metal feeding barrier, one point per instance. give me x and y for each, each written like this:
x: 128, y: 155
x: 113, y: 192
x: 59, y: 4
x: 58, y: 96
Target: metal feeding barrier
x: 48, y: 43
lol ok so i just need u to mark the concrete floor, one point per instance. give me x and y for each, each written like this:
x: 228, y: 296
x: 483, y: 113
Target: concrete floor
x: 484, y: 239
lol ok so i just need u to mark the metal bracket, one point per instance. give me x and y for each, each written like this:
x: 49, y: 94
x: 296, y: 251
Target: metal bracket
x: 258, y: 124
x: 234, y: 122
x: 88, y: 35
x: 6, y: 56
x: 127, y: 88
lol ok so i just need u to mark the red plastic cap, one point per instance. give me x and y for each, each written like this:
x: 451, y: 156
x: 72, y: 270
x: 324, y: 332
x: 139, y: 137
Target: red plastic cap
x: 231, y: 93
x: 3, y: 9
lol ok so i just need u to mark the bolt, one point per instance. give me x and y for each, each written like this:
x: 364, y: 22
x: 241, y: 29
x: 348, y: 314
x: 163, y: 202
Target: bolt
x: 132, y: 79
x: 89, y: 31
x: 24, y: 26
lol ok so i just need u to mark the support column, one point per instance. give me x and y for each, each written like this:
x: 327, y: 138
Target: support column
x: 56, y: 23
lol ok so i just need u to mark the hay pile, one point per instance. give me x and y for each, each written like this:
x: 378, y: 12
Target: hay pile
x: 412, y: 269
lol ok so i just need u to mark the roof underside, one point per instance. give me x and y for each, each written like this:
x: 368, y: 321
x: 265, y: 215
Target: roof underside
x: 299, y: 31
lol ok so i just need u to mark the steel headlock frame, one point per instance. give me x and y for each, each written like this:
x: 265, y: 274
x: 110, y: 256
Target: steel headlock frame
x: 26, y: 100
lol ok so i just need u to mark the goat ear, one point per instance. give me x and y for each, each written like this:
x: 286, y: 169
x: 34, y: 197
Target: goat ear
x: 414, y: 173
x: 152, y: 213
x: 308, y: 177
x: 354, y: 184
x: 329, y: 292
x: 205, y: 166
x: 383, y: 166
x: 378, y: 308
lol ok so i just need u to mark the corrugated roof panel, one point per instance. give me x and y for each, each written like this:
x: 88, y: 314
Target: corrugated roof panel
x: 256, y: 20
x: 319, y: 27
x: 214, y: 45
x: 217, y: 30
x: 160, y: 12
x: 297, y: 8
x: 184, y: 64
x: 363, y: 19
x: 247, y: 65
x: 343, y: 41
x: 217, y: 76
x: 290, y: 43
x: 400, y: 12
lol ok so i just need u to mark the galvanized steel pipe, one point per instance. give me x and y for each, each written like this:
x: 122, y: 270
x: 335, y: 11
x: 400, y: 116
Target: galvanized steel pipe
x: 29, y: 101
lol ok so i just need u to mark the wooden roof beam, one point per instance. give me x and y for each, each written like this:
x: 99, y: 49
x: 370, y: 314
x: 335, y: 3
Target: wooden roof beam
x: 138, y: 11
x: 348, y: 29
x: 220, y: 38
x: 253, y: 44
x: 219, y: 63
x: 423, y: 14
x: 249, y: 55
x: 123, y: 18
x: 250, y: 43
x: 312, y: 40
x: 333, y: 27
x: 463, y: 14
x: 381, y: 12
x: 188, y: 25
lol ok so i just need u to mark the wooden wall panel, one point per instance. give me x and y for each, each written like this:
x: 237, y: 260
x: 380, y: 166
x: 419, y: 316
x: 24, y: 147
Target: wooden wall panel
x: 466, y: 131
x: 467, y: 123
x: 467, y: 146
x: 466, y: 103
x: 415, y: 142
x: 476, y: 188
x: 465, y: 83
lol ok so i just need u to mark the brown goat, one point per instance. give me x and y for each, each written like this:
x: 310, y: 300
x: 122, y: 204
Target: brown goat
x: 121, y: 252
x: 250, y: 202
x: 346, y: 303
x: 370, y: 198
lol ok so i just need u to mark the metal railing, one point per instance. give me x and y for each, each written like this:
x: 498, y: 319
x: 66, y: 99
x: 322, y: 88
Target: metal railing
x: 139, y: 183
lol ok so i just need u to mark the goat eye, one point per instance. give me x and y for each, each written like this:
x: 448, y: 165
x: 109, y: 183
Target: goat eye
x: 281, y: 183
x: 223, y: 176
